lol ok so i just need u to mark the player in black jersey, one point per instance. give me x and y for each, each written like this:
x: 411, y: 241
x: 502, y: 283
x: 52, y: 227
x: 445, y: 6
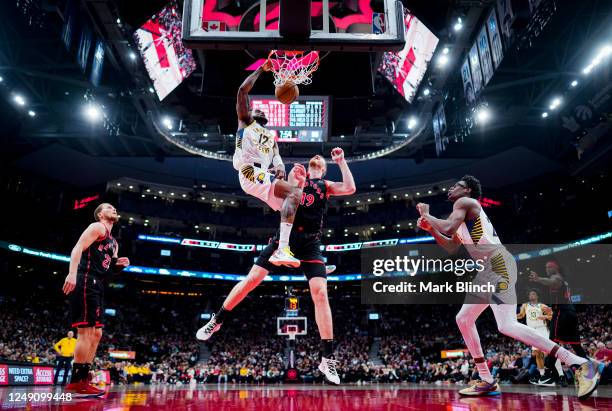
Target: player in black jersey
x: 305, y: 242
x: 92, y: 260
x: 564, y: 323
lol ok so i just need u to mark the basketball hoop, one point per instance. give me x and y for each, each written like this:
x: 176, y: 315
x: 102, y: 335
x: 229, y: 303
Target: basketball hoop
x: 292, y: 331
x: 293, y: 66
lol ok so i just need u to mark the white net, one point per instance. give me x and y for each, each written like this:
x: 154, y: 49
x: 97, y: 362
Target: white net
x: 293, y: 66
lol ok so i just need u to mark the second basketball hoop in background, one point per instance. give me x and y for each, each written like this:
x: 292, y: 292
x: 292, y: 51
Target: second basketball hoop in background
x: 287, y: 93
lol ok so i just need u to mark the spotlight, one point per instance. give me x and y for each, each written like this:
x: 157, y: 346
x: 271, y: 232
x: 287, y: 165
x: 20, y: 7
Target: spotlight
x: 19, y: 100
x: 31, y: 113
x: 118, y: 20
x: 483, y: 114
x: 412, y: 123
x: 426, y: 92
x: 443, y: 60
x: 1, y: 79
x: 445, y: 50
x: 556, y: 102
x: 151, y: 90
x: 458, y: 25
x: 166, y: 121
x: 93, y: 112
x: 544, y: 114
x: 574, y: 83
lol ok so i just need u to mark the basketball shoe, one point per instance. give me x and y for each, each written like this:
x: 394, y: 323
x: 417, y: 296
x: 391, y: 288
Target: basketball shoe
x: 587, y: 378
x: 284, y: 256
x: 211, y: 327
x: 481, y: 388
x: 328, y: 368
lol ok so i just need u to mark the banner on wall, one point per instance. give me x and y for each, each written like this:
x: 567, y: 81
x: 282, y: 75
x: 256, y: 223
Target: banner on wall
x: 475, y: 69
x: 485, y: 56
x: 468, y: 86
x: 497, y: 51
x: 506, y: 18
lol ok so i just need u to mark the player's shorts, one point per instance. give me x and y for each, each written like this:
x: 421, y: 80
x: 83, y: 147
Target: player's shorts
x: 305, y: 247
x: 87, y: 302
x: 501, y: 272
x: 259, y: 183
x: 564, y: 327
x: 543, y: 331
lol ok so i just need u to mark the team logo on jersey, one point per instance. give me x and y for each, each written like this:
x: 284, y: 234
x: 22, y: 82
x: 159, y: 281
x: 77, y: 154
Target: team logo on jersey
x: 261, y: 177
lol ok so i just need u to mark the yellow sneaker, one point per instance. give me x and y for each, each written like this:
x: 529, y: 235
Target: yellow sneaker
x: 284, y: 256
x: 481, y: 388
x: 587, y: 378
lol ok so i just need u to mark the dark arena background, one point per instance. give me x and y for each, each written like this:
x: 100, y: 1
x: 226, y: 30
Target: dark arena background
x: 132, y: 105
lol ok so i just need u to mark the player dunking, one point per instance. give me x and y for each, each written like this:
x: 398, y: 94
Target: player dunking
x: 535, y: 315
x: 306, y: 242
x: 469, y: 225
x: 93, y: 257
x: 256, y: 150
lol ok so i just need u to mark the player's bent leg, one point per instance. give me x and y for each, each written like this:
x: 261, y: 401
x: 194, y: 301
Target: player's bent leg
x: 323, y: 318
x: 255, y: 276
x: 291, y: 196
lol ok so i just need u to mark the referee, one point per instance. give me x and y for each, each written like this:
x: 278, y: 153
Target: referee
x: 65, y: 350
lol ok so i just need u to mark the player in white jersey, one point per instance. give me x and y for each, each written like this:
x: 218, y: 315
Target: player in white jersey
x: 535, y: 315
x: 469, y: 225
x: 256, y: 151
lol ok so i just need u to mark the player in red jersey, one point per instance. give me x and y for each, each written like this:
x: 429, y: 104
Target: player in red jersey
x: 92, y: 259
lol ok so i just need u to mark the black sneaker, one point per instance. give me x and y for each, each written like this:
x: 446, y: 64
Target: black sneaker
x: 563, y: 381
x: 546, y: 381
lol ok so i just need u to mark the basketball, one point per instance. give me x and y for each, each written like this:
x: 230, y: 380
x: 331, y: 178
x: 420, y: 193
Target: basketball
x: 287, y: 93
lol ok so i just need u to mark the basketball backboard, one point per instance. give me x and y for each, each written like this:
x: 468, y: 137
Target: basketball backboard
x: 342, y: 25
x: 291, y: 326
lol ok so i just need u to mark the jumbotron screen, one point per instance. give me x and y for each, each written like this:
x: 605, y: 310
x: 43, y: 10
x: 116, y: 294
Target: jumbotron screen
x: 306, y: 120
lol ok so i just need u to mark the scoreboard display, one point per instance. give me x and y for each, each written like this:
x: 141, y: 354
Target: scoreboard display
x: 306, y: 120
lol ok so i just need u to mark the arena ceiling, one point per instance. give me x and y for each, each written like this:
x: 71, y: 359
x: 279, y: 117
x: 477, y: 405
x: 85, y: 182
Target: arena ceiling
x: 367, y: 113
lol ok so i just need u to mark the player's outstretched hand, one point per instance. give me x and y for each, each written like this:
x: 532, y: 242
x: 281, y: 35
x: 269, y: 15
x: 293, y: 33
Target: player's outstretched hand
x: 69, y: 283
x: 533, y: 276
x: 337, y: 154
x: 423, y: 208
x: 123, y: 261
x: 267, y: 66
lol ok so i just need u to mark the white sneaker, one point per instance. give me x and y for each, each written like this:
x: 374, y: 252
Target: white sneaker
x: 328, y: 368
x: 284, y: 256
x: 208, y: 330
x: 330, y: 269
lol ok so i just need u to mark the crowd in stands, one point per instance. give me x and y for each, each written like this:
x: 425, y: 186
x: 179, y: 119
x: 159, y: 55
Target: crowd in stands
x: 405, y: 343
